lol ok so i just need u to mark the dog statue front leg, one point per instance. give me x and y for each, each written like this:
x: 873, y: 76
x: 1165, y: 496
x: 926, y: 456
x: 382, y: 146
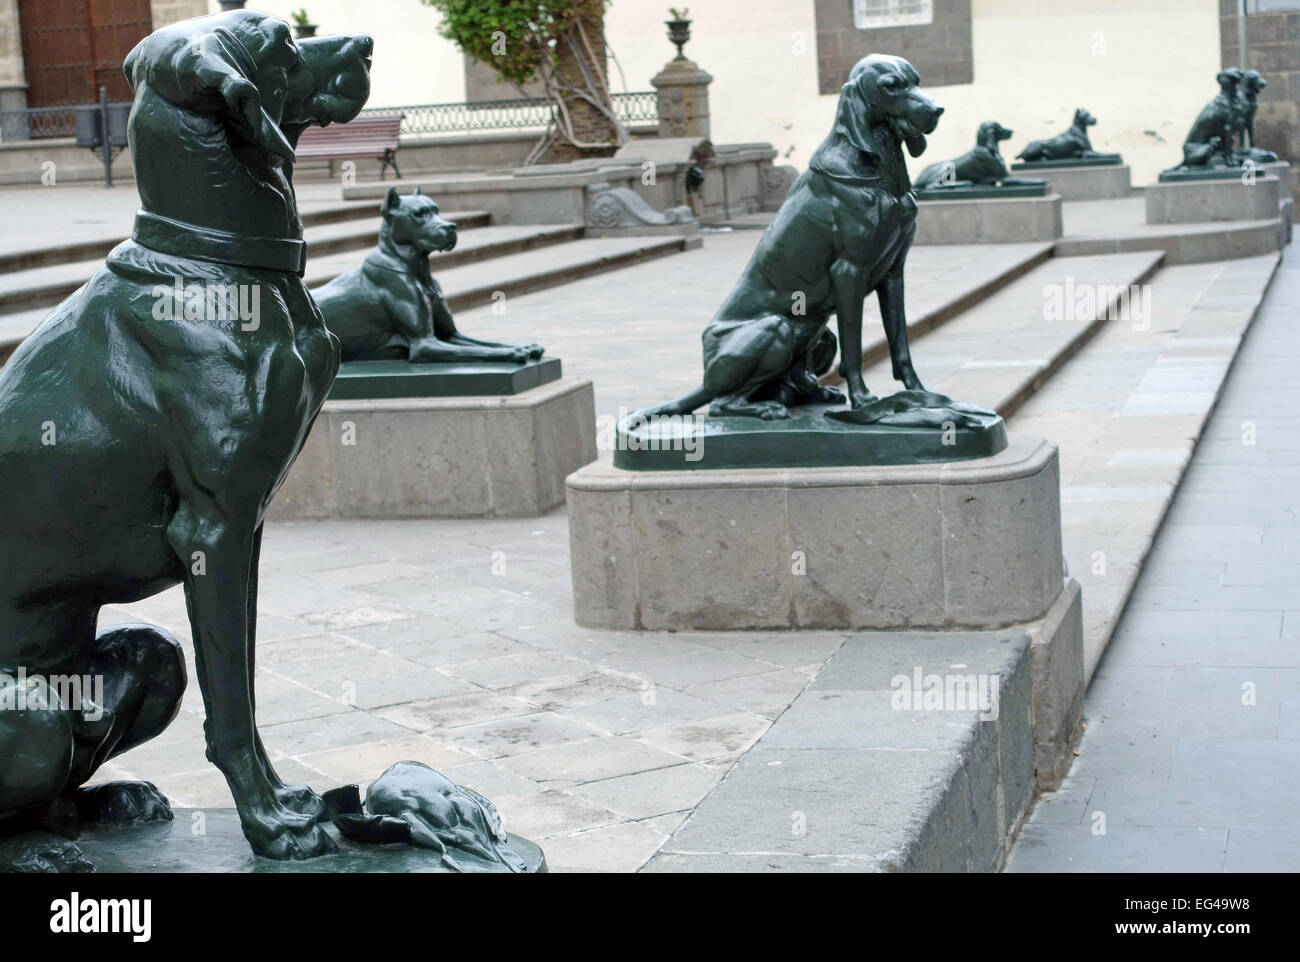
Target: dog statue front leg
x: 218, y: 551
x: 890, y: 295
x: 849, y: 282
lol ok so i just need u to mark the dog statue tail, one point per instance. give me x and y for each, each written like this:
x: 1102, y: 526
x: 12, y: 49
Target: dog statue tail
x: 683, y: 405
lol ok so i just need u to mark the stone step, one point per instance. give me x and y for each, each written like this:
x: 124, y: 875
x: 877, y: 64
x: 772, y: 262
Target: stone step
x: 112, y: 226
x: 1127, y: 412
x: 25, y: 288
x: 1112, y: 226
x: 482, y: 243
x: 639, y: 340
x: 1006, y: 347
x: 470, y: 284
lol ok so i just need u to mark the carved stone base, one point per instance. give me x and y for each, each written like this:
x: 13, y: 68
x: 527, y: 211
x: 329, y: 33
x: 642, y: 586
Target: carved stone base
x: 969, y: 544
x: 448, y: 457
x: 985, y: 220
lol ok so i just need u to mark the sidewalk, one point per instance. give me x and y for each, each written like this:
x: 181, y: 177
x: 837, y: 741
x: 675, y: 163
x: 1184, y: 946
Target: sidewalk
x: 1191, y: 756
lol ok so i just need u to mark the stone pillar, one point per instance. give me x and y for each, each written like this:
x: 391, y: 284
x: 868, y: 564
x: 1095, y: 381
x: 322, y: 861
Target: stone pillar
x: 13, y: 77
x: 683, y: 99
x: 171, y: 11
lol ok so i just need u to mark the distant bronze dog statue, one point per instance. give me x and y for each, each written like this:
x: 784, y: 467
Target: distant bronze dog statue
x: 391, y: 306
x: 842, y: 234
x: 981, y: 166
x: 1210, y: 141
x: 143, y: 434
x: 1248, y: 91
x: 1072, y: 144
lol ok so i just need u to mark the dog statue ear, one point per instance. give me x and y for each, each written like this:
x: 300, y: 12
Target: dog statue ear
x: 392, y: 201
x: 253, y: 123
x: 416, y: 192
x: 853, y: 118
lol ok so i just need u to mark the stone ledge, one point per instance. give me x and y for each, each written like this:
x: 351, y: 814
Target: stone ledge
x: 879, y: 788
x: 988, y: 221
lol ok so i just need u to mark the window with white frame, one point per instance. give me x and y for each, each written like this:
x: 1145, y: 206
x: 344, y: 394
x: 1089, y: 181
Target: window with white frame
x: 870, y: 14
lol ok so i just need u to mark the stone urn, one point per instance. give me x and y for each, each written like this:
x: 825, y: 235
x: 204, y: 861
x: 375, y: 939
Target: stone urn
x: 679, y: 32
x: 304, y: 30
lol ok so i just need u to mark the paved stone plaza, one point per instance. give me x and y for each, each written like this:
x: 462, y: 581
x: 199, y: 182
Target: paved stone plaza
x: 453, y: 642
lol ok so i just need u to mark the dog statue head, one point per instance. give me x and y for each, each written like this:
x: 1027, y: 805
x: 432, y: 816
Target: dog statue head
x: 246, y: 67
x: 1229, y: 79
x: 1084, y: 119
x: 413, y: 221
x: 991, y: 133
x: 1252, y: 82
x: 883, y: 89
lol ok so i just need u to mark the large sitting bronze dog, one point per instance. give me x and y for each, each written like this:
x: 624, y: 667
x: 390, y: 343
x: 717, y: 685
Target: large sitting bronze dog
x: 980, y: 166
x: 843, y: 233
x: 391, y: 306
x: 142, y: 434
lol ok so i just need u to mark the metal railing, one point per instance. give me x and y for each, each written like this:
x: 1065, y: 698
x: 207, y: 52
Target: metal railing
x: 641, y: 107
x: 35, y: 123
x: 636, y: 108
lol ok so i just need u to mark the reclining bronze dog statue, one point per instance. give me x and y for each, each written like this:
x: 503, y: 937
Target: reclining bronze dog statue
x: 141, y: 439
x: 391, y: 305
x: 981, y: 166
x: 842, y: 234
x: 1074, y: 144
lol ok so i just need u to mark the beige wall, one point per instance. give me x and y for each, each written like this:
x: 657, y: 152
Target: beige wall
x: 11, y: 46
x: 412, y: 64
x: 1143, y: 67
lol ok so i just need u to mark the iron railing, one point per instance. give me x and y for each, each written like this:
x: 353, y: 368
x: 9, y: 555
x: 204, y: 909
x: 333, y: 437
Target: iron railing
x: 641, y: 107
x: 34, y: 123
x: 633, y: 109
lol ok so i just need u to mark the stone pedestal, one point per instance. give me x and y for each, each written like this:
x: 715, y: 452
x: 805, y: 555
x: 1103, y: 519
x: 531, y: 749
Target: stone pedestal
x: 1083, y: 182
x: 988, y: 220
x: 1213, y: 199
x: 442, y: 457
x: 683, y: 99
x: 974, y: 544
x: 958, y: 546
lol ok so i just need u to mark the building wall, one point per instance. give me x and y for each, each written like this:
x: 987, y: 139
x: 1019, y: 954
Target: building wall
x: 170, y: 11
x: 1272, y: 48
x: 1143, y: 67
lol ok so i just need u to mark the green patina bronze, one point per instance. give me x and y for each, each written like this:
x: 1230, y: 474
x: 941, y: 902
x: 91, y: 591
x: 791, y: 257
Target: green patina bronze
x: 386, y: 380
x: 1070, y: 149
x: 842, y: 233
x: 905, y: 428
x: 391, y: 306
x: 980, y: 167
x: 144, y: 432
x: 1222, y: 138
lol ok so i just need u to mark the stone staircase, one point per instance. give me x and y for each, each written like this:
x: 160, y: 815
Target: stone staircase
x: 489, y: 261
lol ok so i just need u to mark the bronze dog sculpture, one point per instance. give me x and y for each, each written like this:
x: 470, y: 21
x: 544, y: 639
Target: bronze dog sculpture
x: 1209, y: 142
x: 391, y: 305
x: 842, y: 233
x: 1071, y: 144
x: 980, y: 166
x: 1248, y: 91
x: 144, y: 438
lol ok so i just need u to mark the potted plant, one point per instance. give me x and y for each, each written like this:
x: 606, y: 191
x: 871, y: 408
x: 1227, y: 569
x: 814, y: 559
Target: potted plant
x: 679, y: 28
x: 302, y: 27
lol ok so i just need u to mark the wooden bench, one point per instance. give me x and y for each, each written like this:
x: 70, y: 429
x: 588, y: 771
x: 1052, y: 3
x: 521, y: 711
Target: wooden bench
x: 368, y: 136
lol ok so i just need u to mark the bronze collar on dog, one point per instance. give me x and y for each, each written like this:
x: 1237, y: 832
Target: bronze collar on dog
x: 203, y: 243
